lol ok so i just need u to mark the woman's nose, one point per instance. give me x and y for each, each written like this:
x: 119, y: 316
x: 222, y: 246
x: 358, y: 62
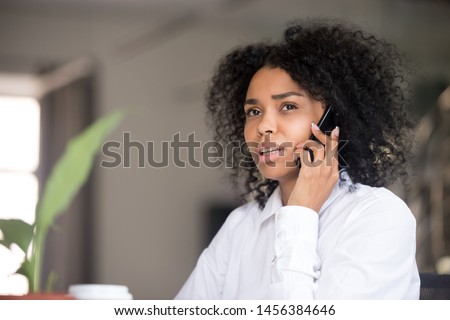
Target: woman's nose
x: 268, y: 124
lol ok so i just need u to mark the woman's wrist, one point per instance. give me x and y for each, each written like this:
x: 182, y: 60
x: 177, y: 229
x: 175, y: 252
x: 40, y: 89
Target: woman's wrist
x: 303, y: 204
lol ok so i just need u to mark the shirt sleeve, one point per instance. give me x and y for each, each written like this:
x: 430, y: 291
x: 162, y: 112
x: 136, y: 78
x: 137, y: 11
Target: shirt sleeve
x: 296, y: 263
x: 372, y: 258
x: 206, y: 281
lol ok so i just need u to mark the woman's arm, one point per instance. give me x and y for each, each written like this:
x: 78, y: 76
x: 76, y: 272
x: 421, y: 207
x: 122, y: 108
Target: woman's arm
x: 206, y: 280
x: 296, y: 262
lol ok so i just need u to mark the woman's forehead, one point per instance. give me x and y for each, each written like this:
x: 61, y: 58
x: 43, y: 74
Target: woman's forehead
x: 272, y: 81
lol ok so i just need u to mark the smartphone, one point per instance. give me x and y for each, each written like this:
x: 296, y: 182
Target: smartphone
x: 327, y: 123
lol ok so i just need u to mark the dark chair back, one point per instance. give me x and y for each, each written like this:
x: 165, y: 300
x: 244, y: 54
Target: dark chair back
x: 434, y: 286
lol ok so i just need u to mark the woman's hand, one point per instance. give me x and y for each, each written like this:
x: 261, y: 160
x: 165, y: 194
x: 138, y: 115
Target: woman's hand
x: 317, y: 177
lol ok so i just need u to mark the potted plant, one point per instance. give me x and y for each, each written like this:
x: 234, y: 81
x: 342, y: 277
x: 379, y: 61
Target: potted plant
x: 66, y: 178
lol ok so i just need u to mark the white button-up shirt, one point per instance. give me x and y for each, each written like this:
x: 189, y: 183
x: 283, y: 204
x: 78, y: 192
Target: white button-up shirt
x: 361, y: 245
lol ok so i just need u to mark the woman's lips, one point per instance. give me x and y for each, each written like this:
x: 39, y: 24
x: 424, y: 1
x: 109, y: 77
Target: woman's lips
x: 270, y: 156
x: 269, y: 152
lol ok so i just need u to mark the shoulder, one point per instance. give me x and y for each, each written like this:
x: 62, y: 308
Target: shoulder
x: 381, y: 204
x: 235, y: 229
x: 380, y: 197
x: 242, y: 214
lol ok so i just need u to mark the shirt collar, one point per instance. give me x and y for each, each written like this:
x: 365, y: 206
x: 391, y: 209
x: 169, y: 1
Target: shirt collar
x: 343, y: 186
x: 274, y: 202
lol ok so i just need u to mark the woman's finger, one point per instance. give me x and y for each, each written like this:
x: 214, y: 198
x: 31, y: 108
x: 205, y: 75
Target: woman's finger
x: 318, y: 134
x: 311, y: 153
x: 317, y: 151
x: 331, y: 149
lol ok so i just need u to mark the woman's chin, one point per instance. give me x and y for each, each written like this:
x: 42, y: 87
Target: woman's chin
x: 277, y: 171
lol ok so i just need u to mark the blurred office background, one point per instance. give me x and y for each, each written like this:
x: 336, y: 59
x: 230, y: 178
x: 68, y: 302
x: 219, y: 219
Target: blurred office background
x: 65, y: 63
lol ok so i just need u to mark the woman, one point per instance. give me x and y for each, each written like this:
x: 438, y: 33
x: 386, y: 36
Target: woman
x: 321, y: 229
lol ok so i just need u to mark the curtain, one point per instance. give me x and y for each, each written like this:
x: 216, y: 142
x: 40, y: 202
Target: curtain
x: 65, y: 112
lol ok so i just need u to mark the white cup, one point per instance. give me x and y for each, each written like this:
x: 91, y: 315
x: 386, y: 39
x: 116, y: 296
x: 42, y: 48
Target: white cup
x: 99, y: 292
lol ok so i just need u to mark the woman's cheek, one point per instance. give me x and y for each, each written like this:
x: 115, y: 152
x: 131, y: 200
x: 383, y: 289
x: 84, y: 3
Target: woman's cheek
x: 298, y: 132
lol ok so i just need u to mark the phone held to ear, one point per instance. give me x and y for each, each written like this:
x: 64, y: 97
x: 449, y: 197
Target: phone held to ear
x: 327, y: 123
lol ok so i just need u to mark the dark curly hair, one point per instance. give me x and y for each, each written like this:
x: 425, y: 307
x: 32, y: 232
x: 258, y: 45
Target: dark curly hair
x: 361, y: 76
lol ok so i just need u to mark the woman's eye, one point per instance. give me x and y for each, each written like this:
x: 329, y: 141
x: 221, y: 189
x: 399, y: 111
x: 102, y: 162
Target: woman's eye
x: 253, y: 112
x: 287, y: 107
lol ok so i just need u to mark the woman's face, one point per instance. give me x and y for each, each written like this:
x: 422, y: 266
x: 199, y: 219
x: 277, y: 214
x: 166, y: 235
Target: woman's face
x: 278, y: 117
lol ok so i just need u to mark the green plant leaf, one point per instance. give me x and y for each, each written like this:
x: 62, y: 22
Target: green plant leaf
x: 16, y: 231
x: 72, y: 169
x: 51, y: 281
x: 66, y: 178
x: 26, y: 269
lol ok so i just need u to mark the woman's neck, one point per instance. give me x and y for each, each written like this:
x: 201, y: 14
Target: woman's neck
x: 286, y: 187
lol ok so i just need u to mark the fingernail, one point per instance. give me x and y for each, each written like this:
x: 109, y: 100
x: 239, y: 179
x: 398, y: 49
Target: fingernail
x: 336, y: 132
x: 314, y: 126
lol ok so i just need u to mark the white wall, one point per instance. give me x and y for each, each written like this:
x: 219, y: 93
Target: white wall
x: 150, y: 223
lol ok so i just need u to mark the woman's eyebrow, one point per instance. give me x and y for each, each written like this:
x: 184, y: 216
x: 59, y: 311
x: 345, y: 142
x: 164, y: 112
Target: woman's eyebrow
x: 286, y: 94
x: 276, y: 97
x: 251, y: 101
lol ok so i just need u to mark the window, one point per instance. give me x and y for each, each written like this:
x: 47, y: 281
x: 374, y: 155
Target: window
x: 19, y: 160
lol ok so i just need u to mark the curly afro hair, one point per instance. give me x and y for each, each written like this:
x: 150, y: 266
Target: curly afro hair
x: 361, y: 76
